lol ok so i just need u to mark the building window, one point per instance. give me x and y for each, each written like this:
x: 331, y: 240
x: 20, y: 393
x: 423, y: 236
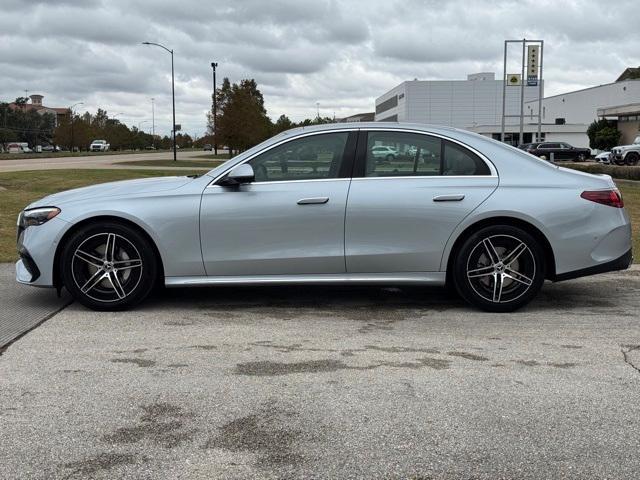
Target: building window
x: 387, y: 104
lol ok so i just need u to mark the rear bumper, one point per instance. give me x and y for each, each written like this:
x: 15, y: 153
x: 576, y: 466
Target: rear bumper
x: 621, y: 263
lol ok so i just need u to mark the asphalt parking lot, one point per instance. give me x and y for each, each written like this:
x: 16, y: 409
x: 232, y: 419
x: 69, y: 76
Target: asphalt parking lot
x: 321, y: 382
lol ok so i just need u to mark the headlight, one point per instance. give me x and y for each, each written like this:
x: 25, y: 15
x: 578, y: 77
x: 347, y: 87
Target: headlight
x: 37, y: 216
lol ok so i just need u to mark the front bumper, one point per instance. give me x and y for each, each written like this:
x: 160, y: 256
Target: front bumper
x: 37, y: 247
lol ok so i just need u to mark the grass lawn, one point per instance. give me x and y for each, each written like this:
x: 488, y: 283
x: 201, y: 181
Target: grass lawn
x: 211, y: 156
x: 18, y: 189
x: 208, y: 164
x: 21, y: 188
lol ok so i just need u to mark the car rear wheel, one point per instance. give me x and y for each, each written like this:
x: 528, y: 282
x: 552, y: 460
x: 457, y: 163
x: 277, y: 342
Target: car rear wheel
x: 581, y: 157
x: 108, y: 266
x: 499, y: 268
x: 632, y: 158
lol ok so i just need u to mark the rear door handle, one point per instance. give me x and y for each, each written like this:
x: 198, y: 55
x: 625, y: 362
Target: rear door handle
x: 449, y: 198
x: 313, y: 200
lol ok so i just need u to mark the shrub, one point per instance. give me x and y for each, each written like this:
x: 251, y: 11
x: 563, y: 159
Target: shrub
x: 622, y: 173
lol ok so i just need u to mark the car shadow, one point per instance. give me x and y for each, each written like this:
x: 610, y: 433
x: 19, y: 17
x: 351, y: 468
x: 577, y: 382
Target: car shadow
x: 307, y: 297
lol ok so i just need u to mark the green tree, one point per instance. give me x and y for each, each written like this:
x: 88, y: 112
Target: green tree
x: 242, y: 121
x: 283, y: 123
x: 603, y: 134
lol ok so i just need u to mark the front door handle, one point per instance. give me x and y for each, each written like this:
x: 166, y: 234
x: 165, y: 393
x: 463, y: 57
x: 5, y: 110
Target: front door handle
x: 449, y: 198
x: 313, y: 200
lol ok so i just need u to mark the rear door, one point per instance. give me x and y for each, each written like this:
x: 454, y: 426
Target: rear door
x: 401, y: 213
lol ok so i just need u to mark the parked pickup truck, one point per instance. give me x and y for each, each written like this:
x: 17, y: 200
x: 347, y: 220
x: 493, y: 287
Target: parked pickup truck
x: 626, y: 154
x: 99, y: 146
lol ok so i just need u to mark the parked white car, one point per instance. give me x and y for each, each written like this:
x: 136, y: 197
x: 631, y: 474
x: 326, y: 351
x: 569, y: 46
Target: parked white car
x: 17, y: 147
x: 384, y: 152
x: 99, y: 146
x: 626, y: 154
x: 603, y: 157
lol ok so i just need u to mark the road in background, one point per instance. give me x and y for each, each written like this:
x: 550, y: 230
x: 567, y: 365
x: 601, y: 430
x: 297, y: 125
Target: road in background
x: 95, y: 161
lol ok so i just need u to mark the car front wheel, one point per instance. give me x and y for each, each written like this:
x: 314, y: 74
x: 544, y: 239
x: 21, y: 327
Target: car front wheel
x: 108, y: 266
x: 499, y: 268
x: 632, y: 158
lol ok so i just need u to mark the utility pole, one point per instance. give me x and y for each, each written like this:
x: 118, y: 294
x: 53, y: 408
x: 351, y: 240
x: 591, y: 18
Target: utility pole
x: 72, y: 122
x: 215, y: 111
x: 153, y: 123
x: 173, y: 98
x: 318, y: 110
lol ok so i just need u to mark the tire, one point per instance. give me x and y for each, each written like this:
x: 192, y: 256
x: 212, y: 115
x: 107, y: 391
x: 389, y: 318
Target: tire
x: 108, y: 282
x: 581, y: 157
x: 632, y: 158
x: 479, y: 263
x: 390, y: 158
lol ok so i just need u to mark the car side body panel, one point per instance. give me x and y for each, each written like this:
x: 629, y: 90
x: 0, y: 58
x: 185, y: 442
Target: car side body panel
x: 403, y: 224
x: 274, y: 228
x: 582, y: 234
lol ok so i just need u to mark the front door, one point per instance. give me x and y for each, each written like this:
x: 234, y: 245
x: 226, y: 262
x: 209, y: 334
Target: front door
x: 401, y: 211
x: 290, y: 220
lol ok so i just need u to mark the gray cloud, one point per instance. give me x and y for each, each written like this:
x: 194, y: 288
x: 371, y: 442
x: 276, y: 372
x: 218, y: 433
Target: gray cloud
x: 342, y: 54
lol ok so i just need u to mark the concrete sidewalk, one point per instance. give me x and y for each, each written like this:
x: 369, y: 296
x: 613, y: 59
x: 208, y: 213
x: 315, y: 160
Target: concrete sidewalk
x: 22, y: 308
x: 330, y: 382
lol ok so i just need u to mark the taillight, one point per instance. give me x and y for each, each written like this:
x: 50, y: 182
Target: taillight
x: 611, y: 198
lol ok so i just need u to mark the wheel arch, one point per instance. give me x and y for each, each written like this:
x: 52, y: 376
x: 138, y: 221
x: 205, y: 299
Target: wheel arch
x: 535, y: 232
x: 57, y: 277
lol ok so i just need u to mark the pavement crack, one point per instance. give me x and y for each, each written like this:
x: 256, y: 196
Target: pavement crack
x: 3, y: 348
x: 625, y: 355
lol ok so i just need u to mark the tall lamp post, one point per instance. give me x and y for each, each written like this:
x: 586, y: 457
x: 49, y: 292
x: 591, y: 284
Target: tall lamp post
x: 215, y: 111
x: 72, y: 122
x: 173, y: 98
x: 153, y: 123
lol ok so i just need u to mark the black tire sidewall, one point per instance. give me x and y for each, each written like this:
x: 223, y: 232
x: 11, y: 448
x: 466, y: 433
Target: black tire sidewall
x: 460, y: 268
x: 149, y: 271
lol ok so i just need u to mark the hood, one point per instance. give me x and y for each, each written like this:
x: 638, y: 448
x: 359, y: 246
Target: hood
x: 136, y: 188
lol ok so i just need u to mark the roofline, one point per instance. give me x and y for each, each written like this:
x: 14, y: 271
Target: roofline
x: 583, y: 90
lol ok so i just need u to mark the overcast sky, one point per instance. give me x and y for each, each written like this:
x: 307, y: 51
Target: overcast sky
x: 342, y: 54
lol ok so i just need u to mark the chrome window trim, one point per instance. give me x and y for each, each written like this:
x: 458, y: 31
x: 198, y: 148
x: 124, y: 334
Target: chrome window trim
x: 492, y: 168
x: 422, y: 177
x: 291, y: 181
x: 489, y: 163
x: 285, y: 140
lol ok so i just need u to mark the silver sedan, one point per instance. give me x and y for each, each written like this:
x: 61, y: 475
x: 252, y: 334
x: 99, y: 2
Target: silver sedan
x: 313, y: 206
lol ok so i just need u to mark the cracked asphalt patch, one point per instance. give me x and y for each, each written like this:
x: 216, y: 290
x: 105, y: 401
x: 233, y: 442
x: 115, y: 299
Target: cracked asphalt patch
x: 318, y: 382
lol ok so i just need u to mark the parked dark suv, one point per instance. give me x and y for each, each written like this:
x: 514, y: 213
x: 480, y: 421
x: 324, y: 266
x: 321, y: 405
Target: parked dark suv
x: 560, y: 150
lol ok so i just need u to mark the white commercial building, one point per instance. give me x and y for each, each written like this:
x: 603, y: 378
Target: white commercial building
x: 476, y: 104
x: 456, y: 103
x: 619, y: 101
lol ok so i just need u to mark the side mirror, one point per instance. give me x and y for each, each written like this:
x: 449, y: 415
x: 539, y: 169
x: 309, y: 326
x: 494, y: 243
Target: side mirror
x: 238, y: 175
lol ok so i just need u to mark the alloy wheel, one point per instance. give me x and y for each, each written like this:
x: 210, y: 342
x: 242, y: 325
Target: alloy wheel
x: 106, y: 267
x: 501, y: 268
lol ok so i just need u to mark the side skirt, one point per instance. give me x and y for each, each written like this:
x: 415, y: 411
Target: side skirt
x: 403, y: 278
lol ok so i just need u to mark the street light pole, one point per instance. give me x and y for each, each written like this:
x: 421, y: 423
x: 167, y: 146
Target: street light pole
x: 72, y: 122
x: 173, y: 98
x: 215, y: 111
x: 153, y: 123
